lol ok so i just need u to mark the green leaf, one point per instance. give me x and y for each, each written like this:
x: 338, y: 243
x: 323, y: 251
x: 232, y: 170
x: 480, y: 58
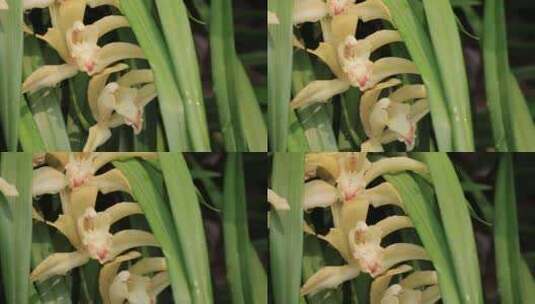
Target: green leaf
x: 147, y: 187
x: 442, y: 25
x: 431, y: 232
x: 246, y: 275
x: 188, y: 225
x: 16, y: 226
x: 457, y: 225
x: 280, y: 50
x: 506, y: 240
x: 286, y: 228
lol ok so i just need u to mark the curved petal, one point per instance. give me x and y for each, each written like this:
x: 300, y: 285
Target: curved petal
x: 381, y: 38
x: 149, y: 265
x: 109, y: 23
x: 319, y: 193
x: 418, y: 110
x: 393, y: 223
x: 353, y: 212
x: 158, y: 283
x: 329, y: 277
x: 409, y: 92
x: 8, y: 189
x: 342, y: 25
x: 109, y: 271
x: 278, y: 202
x: 431, y: 295
x: 116, y: 51
x: 369, y: 99
x: 102, y: 159
x: 47, y: 180
x: 3, y: 5
x: 383, y: 194
x: 380, y: 284
x: 402, y: 252
x: 56, y: 39
x: 81, y: 199
x: 136, y: 77
x: 338, y: 239
x: 391, y: 165
x: 419, y: 279
x: 145, y: 95
x: 69, y: 12
x: 390, y: 66
x: 309, y: 11
x: 96, y: 3
x: 327, y: 53
x: 48, y: 76
x: 97, y: 84
x: 131, y: 238
x: 58, y: 264
x: 371, y: 145
x: 111, y: 181
x: 320, y: 164
x: 98, y: 135
x: 121, y: 210
x: 319, y: 91
x: 371, y: 10
x: 67, y: 227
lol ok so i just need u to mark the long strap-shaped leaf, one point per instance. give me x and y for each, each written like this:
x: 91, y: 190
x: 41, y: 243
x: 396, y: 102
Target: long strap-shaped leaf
x: 177, y: 32
x: 506, y: 241
x: 147, y: 188
x: 279, y: 73
x: 430, y: 231
x: 188, y: 225
x: 457, y: 225
x: 286, y: 228
x: 247, y: 277
x: 11, y: 49
x: 169, y: 98
x: 442, y: 25
x: 421, y: 51
x: 16, y: 226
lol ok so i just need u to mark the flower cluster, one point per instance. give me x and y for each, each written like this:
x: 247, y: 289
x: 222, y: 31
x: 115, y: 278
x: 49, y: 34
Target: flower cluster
x: 386, y: 118
x: 112, y: 104
x: 74, y: 178
x: 340, y: 181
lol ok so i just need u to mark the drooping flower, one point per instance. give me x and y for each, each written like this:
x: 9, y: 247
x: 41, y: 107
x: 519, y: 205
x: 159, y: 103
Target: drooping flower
x: 88, y: 231
x: 394, y: 117
x: 76, y: 43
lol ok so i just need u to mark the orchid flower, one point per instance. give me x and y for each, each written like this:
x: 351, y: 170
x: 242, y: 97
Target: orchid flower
x: 118, y: 103
x: 8, y: 189
x: 351, y: 173
x: 89, y: 233
x: 316, y: 10
x: 133, y: 285
x: 394, y: 117
x: 76, y: 43
x: 73, y: 170
x: 419, y: 287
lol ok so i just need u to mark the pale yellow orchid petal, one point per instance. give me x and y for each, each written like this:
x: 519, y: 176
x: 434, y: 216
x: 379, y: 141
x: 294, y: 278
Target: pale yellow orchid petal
x: 102, y: 159
x: 338, y: 239
x: 145, y: 95
x: 408, y: 92
x: 320, y: 164
x: 96, y: 86
x: 387, y: 67
x: 68, y: 13
x: 278, y: 202
x: 399, y: 122
x: 354, y: 58
x: 372, y: 145
x: 378, y: 118
x: 402, y: 252
x: 318, y: 193
x: 97, y: 3
x: 79, y: 169
x: 309, y: 11
x: 431, y: 295
x: 116, y: 51
x: 47, y: 180
x: 342, y: 26
x: 365, y: 246
x: 118, y: 289
x: 351, y: 180
x: 109, y: 271
x: 81, y: 199
x: 319, y: 91
x: 327, y: 53
x: 58, y: 264
x: 272, y: 18
x: 371, y: 10
x: 149, y: 265
x: 3, y: 5
x: 27, y: 30
x: 392, y: 165
x: 8, y: 189
x: 94, y: 231
x: 369, y: 99
x: 381, y: 38
x: 48, y: 76
x: 393, y: 223
x: 329, y: 277
x: 353, y: 212
x: 31, y: 4
x: 380, y: 284
x: 56, y: 39
x: 397, y: 294
x: 419, y: 279
x: 98, y: 135
x: 121, y: 210
x: 136, y: 77
x: 82, y: 45
x: 111, y: 181
x: 125, y: 105
x: 418, y: 110
x: 66, y: 225
x: 383, y: 194
x: 109, y: 23
x: 158, y: 283
x: 130, y: 238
